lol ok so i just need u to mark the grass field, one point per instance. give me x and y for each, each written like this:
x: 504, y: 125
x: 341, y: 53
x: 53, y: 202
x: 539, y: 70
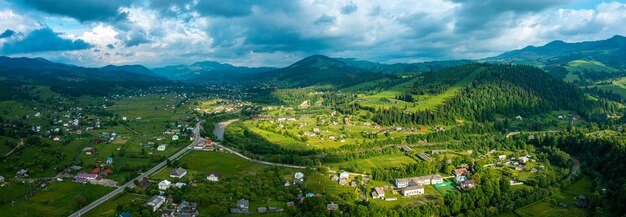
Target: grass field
x: 386, y: 99
x: 366, y: 165
x: 549, y: 207
x: 201, y: 162
x: 58, y: 199
x: 108, y: 208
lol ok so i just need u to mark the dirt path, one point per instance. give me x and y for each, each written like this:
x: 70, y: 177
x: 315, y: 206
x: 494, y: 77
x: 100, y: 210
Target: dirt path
x: 575, y: 167
x: 14, y: 149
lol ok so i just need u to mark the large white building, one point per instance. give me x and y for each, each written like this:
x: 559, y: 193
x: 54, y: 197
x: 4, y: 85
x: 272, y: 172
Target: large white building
x: 155, y: 202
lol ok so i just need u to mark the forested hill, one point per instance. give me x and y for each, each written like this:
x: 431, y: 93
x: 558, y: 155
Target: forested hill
x: 319, y: 70
x: 580, y: 63
x: 496, y: 90
x: 68, y: 79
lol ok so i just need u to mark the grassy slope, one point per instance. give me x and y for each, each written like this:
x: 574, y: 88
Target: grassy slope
x: 426, y: 101
x: 546, y: 208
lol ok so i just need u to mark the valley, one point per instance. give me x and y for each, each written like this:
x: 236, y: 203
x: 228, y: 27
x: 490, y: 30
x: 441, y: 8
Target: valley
x: 322, y: 136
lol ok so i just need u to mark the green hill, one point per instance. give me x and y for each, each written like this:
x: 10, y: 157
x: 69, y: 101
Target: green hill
x: 481, y: 92
x: 319, y: 70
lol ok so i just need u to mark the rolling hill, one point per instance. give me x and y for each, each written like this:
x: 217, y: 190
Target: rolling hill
x: 208, y: 71
x: 319, y: 70
x: 580, y: 62
x: 71, y: 80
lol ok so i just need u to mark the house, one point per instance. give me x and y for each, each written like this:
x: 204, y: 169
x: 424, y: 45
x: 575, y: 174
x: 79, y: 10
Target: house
x: 298, y: 175
x: 178, y: 173
x: 174, y: 137
x: 242, y: 207
x: 515, y: 182
x: 161, y: 147
x: 180, y: 184
x: 22, y: 173
x: 309, y: 194
x: 468, y: 184
x: 261, y: 210
x: 461, y: 172
x: 423, y: 156
x: 155, y: 202
x: 332, y: 206
x: 460, y: 179
x: 57, y: 138
x: 213, y: 176
x: 406, y: 149
x: 518, y: 117
x: 439, y: 151
x: 187, y: 209
x: 167, y: 213
x: 523, y: 159
x: 422, y: 180
x: 1, y: 179
x: 164, y: 185
x: 109, y: 160
x: 84, y: 177
x: 89, y: 150
x: 96, y: 171
x: 344, y: 175
x: 243, y: 204
x: 501, y: 157
x: 413, y: 190
x: 108, y: 171
x: 519, y: 167
x: 378, y: 192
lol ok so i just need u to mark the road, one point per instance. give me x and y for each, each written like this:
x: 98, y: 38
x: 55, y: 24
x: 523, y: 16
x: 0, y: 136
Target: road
x: 575, y: 167
x: 140, y: 177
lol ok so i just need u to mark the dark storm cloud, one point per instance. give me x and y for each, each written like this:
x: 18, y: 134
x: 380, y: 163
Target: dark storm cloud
x: 42, y: 40
x: 325, y: 19
x: 485, y: 14
x: 349, y: 8
x: 7, y: 33
x: 82, y: 10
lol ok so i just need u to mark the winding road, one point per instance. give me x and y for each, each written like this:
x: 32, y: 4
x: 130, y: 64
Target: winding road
x: 121, y: 188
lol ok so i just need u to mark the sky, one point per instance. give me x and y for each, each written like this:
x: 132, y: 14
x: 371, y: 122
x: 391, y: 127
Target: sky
x: 279, y: 32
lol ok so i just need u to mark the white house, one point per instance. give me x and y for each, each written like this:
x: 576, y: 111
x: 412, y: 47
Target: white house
x: 178, y: 173
x: 161, y: 147
x: 164, y: 185
x: 175, y: 137
x: 502, y: 157
x: 213, y: 176
x: 378, y: 192
x: 413, y: 190
x: 155, y: 202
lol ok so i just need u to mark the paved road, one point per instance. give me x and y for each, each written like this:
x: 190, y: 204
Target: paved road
x: 140, y: 177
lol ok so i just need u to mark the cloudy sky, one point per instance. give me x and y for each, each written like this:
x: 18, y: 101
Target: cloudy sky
x: 279, y: 32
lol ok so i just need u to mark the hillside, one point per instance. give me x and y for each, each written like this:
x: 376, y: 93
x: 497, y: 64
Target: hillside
x: 319, y: 70
x: 67, y: 79
x: 138, y: 69
x: 398, y: 68
x: 580, y: 62
x: 478, y: 92
x: 208, y: 71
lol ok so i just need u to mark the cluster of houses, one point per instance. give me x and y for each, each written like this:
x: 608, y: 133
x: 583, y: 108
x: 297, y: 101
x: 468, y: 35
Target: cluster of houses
x: 414, y: 185
x: 187, y: 209
x: 204, y: 145
x: 243, y: 207
x: 519, y: 163
x: 461, y: 178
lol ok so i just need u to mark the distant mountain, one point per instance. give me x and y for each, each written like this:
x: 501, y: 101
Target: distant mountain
x: 575, y: 62
x: 319, y: 70
x: 208, y: 71
x: 398, y: 68
x: 72, y: 80
x: 31, y: 63
x: 139, y: 69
